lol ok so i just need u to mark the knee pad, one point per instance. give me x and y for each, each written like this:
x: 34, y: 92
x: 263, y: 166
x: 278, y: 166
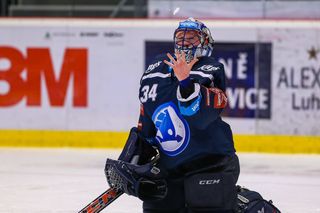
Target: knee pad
x: 210, y: 192
x: 250, y: 201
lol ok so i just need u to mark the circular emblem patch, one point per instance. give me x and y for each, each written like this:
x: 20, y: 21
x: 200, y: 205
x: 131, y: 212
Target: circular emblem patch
x: 173, y: 133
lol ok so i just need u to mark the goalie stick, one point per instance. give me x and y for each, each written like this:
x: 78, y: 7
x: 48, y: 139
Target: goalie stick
x: 111, y: 194
x: 102, y: 201
x: 107, y: 197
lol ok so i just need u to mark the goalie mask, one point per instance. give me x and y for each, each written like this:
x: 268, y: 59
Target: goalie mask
x: 193, y: 38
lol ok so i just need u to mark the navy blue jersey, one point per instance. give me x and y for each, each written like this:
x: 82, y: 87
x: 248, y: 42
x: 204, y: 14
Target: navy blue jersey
x: 182, y: 128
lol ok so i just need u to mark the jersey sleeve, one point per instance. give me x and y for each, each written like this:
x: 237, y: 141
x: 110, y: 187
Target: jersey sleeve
x: 205, y: 103
x: 219, y: 78
x: 146, y: 126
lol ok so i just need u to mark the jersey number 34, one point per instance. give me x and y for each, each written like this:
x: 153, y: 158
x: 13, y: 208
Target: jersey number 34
x: 148, y: 92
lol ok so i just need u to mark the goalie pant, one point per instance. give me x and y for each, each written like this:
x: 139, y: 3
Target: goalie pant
x: 206, y: 186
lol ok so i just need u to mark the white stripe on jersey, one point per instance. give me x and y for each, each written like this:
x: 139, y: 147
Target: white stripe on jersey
x: 192, y: 96
x: 202, y: 74
x: 157, y: 74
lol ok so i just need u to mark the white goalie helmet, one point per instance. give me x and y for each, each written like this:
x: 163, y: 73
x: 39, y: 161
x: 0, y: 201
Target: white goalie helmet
x: 193, y: 38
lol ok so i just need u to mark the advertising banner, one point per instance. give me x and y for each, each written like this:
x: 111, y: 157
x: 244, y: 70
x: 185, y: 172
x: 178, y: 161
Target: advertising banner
x: 295, y: 82
x: 84, y: 74
x: 69, y: 78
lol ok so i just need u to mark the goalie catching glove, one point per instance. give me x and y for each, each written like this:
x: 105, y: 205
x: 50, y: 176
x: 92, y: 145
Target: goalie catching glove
x: 143, y: 181
x: 135, y: 173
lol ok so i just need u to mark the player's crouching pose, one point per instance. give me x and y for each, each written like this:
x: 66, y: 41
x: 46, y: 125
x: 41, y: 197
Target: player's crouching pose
x: 181, y: 158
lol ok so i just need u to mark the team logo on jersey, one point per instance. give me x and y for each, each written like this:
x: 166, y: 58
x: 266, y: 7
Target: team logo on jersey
x: 208, y: 68
x: 153, y: 66
x: 173, y: 133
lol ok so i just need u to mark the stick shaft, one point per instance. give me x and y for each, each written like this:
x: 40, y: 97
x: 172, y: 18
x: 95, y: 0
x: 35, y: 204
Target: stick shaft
x: 102, y: 201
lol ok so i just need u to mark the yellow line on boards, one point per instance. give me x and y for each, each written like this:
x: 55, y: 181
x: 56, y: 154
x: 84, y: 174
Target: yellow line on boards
x: 101, y: 139
x: 50, y: 138
x: 277, y: 143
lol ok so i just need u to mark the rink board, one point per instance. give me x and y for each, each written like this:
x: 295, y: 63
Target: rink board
x: 75, y: 82
x: 243, y: 143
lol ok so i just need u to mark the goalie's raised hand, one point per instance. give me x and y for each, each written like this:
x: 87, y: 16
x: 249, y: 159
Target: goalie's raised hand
x: 180, y: 66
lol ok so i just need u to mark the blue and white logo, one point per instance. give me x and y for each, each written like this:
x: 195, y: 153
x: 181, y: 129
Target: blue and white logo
x: 173, y: 133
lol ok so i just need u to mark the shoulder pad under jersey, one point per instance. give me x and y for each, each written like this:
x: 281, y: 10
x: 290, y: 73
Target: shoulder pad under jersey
x: 156, y: 66
x: 209, y: 64
x: 156, y: 63
x: 210, y: 68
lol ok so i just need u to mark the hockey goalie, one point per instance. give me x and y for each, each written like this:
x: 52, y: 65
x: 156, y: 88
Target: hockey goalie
x: 181, y: 157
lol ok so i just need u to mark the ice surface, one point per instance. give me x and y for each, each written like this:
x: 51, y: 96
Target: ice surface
x: 65, y: 180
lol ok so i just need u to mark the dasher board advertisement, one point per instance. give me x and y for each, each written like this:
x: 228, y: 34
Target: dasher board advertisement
x: 84, y: 74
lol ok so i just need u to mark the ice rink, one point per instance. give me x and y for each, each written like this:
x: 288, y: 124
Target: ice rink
x: 65, y: 180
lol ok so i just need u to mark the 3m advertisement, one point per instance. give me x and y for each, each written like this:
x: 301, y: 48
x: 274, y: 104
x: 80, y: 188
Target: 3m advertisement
x: 84, y: 74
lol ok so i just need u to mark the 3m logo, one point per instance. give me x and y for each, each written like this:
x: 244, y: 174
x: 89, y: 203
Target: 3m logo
x: 24, y: 75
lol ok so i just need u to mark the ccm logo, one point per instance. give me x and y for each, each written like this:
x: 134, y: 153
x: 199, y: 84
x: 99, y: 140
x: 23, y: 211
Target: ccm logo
x: 28, y: 75
x: 209, y: 182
